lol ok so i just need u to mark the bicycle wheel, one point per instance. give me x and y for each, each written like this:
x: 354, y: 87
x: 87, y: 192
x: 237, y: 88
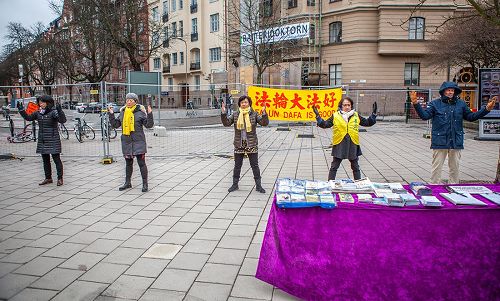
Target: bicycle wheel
x: 88, y: 132
x: 63, y: 131
x: 27, y: 133
x: 78, y: 134
x: 112, y: 132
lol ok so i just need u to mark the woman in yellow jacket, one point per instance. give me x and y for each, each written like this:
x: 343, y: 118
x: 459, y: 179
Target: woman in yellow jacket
x: 345, y: 136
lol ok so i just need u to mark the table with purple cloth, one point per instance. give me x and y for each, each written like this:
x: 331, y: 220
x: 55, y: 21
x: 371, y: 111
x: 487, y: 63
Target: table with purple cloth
x: 371, y: 252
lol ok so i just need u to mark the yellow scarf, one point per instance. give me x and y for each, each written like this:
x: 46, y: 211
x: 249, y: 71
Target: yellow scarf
x: 244, y: 115
x: 128, y: 121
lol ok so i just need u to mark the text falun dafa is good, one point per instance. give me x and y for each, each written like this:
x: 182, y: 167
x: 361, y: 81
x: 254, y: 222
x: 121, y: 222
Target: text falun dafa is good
x: 295, y: 105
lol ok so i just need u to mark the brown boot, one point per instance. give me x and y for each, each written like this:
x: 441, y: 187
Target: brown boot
x: 46, y: 181
x: 59, y: 182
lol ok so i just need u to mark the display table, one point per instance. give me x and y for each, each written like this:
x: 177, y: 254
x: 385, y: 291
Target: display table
x: 371, y: 252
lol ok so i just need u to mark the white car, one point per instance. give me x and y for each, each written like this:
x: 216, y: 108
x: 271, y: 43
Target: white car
x: 80, y: 107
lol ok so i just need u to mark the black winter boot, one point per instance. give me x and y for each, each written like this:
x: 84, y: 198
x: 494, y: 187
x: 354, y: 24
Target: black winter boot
x: 144, y: 185
x: 128, y: 175
x: 258, y: 186
x: 235, y: 185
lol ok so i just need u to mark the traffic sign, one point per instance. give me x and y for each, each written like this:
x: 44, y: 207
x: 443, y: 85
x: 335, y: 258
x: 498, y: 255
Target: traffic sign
x: 233, y: 92
x: 94, y: 92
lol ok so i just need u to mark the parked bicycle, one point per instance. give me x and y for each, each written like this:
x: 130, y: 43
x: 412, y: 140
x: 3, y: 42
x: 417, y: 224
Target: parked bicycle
x: 83, y: 131
x: 190, y: 111
x: 28, y: 133
x: 106, y: 129
x: 63, y: 131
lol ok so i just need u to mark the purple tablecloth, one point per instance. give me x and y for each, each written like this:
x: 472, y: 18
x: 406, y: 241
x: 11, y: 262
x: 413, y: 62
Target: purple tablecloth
x: 370, y: 252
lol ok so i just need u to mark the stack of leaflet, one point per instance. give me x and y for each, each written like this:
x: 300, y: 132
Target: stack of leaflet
x: 419, y: 188
x: 494, y: 197
x: 349, y: 186
x: 393, y: 199
x: 430, y: 201
x: 346, y: 198
x: 397, y: 188
x: 462, y: 199
x: 365, y: 198
x: 469, y: 189
x: 409, y: 199
x: 292, y: 193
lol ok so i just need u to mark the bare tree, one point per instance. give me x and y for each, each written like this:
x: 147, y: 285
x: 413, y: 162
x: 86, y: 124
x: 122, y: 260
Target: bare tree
x: 460, y: 45
x: 252, y: 26
x: 128, y: 24
x: 84, y: 48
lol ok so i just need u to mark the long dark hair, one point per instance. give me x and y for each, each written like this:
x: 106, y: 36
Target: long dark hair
x: 348, y: 99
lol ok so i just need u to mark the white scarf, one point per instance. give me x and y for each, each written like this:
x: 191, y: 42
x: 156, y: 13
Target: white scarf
x: 346, y: 115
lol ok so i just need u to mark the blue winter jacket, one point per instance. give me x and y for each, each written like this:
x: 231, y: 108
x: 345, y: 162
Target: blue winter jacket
x: 447, y: 118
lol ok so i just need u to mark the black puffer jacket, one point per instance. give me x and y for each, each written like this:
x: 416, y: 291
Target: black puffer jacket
x: 255, y: 119
x: 49, y: 141
x: 135, y: 143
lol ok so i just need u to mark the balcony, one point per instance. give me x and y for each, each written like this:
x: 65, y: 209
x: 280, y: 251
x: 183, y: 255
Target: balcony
x: 195, y: 66
x: 194, y: 37
x: 194, y: 8
x: 164, y: 18
x: 166, y: 69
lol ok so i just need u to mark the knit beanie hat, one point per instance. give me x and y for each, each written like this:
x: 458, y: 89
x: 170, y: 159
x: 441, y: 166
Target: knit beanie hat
x: 132, y: 96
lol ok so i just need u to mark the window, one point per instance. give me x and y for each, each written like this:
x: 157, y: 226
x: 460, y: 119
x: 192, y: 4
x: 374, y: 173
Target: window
x: 292, y: 3
x: 214, y: 23
x: 165, y: 7
x: 197, y: 82
x: 173, y: 5
x: 174, y: 29
x: 155, y: 14
x: 165, y: 33
x: 194, y: 25
x: 267, y: 8
x: 416, y: 27
x: 181, y: 28
x: 214, y: 54
x: 311, y: 2
x: 335, y: 32
x: 155, y: 39
x: 170, y: 84
x: 156, y: 63
x: 335, y: 74
x: 181, y: 4
x: 174, y: 58
x: 181, y: 58
x: 412, y: 74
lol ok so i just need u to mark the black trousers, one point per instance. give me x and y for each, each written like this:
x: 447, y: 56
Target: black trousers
x: 47, y: 168
x: 254, y: 163
x: 129, y: 167
x: 336, y: 164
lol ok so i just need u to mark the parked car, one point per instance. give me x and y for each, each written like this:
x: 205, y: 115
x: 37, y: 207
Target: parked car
x: 70, y: 104
x: 93, y: 107
x: 116, y: 108
x: 80, y: 107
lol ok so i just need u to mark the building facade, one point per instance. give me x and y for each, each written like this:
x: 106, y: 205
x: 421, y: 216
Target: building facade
x: 193, y: 54
x: 360, y: 43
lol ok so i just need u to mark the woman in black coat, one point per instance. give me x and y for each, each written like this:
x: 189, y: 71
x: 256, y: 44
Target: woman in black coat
x: 49, y: 141
x: 133, y: 117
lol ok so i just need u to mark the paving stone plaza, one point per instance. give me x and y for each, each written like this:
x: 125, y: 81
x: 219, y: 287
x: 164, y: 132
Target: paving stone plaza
x: 187, y: 238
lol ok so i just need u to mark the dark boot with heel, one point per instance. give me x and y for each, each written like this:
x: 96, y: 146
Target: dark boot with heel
x: 235, y: 185
x: 258, y: 186
x: 145, y: 187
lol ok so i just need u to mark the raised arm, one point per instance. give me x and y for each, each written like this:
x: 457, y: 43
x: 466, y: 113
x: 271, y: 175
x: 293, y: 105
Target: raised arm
x: 471, y: 116
x: 25, y: 115
x: 426, y: 114
x: 226, y: 120
x: 59, y: 114
x: 263, y: 119
x: 148, y: 122
x: 115, y: 122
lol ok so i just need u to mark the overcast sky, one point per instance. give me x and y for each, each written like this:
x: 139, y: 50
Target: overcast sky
x: 26, y: 12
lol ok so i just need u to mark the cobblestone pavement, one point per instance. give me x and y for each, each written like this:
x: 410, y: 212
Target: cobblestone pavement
x: 187, y: 238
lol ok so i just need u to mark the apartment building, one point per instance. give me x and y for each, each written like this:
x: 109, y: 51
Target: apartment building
x: 360, y: 43
x: 193, y: 51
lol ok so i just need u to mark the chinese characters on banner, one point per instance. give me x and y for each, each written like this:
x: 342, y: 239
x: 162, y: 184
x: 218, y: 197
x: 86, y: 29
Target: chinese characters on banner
x: 295, y: 105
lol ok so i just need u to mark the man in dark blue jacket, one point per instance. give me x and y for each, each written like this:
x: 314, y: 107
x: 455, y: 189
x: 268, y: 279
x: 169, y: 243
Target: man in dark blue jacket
x: 448, y: 113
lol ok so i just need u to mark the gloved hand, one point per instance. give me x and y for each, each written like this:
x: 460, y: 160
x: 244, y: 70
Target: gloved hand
x: 20, y: 106
x: 58, y: 107
x: 374, y: 108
